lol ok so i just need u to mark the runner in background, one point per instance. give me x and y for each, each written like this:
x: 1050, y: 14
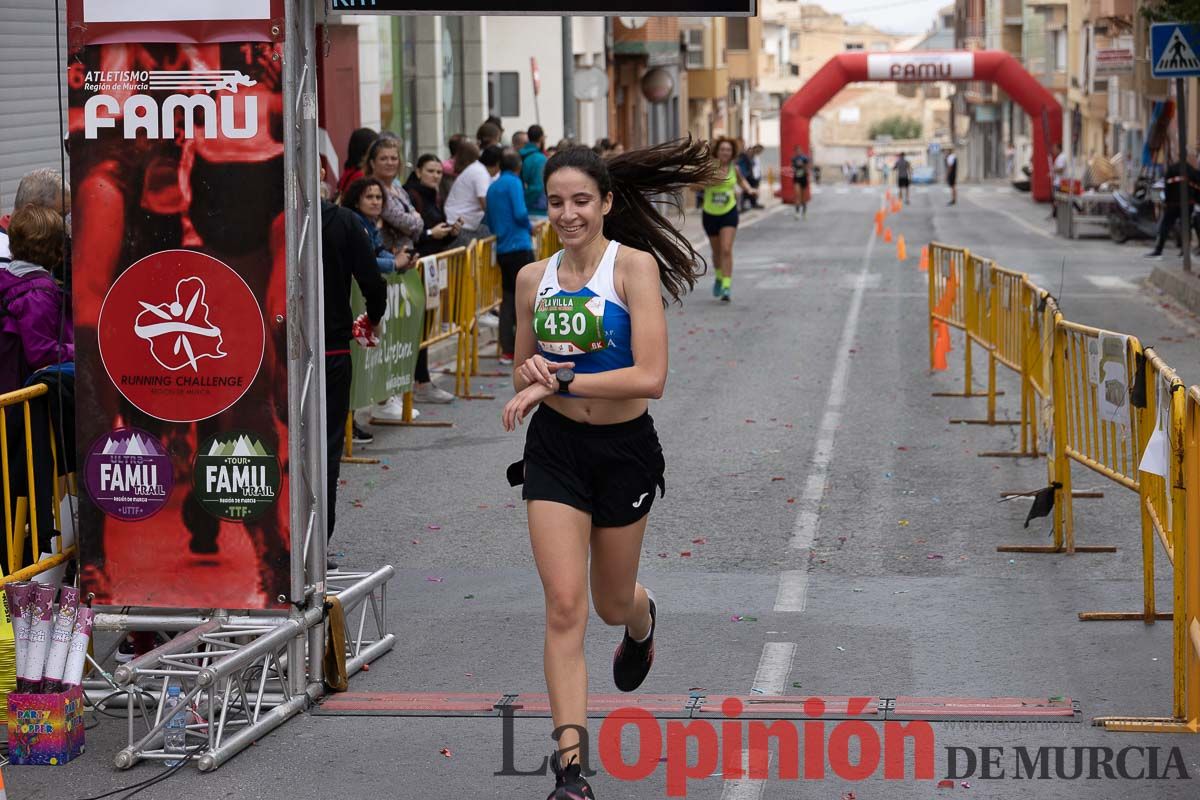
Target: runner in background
x: 592, y: 350
x: 720, y: 214
x: 952, y: 175
x: 800, y: 180
x: 903, y: 177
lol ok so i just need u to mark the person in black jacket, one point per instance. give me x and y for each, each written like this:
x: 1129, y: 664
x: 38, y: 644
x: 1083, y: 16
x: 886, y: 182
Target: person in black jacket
x: 423, y: 190
x: 346, y: 254
x: 1173, y: 202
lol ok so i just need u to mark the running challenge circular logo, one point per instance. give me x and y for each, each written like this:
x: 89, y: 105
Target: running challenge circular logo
x: 181, y: 335
x: 128, y: 474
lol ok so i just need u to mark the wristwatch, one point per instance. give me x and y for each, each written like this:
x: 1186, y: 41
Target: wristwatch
x: 565, y: 376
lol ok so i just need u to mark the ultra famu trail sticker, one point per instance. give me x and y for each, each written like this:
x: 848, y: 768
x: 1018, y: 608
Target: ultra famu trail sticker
x: 128, y: 474
x: 235, y: 477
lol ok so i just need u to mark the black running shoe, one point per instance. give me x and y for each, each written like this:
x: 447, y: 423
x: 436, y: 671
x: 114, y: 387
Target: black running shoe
x: 361, y: 436
x: 632, y: 660
x: 568, y: 783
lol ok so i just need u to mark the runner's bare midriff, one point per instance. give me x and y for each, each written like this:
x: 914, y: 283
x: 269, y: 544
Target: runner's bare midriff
x: 598, y: 412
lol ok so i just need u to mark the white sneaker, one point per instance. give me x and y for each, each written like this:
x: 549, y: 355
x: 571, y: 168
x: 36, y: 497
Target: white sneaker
x: 390, y: 411
x: 431, y: 393
x: 489, y: 320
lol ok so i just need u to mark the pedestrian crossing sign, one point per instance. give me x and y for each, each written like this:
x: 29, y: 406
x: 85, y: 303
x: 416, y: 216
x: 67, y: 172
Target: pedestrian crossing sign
x: 1173, y: 50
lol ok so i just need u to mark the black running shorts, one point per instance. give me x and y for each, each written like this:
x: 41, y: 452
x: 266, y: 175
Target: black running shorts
x: 609, y: 471
x: 714, y: 222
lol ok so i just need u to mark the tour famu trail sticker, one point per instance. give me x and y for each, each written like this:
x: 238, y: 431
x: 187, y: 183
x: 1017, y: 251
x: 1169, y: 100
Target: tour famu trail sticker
x: 181, y: 335
x: 235, y: 477
x: 129, y: 474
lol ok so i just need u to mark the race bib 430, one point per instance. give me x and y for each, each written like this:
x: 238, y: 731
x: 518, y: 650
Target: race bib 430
x: 569, y: 326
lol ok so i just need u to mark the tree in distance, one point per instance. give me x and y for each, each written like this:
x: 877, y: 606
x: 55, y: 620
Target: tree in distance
x: 897, y: 127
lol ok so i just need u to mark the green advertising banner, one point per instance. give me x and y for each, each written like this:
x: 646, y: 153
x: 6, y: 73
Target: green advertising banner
x: 387, y: 370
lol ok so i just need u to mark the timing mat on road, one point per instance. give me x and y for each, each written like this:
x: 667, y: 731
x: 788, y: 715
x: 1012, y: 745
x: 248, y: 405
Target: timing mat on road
x: 702, y: 705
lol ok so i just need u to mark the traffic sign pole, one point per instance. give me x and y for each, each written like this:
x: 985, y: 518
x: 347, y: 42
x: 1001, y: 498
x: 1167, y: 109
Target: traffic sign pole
x: 1185, y: 207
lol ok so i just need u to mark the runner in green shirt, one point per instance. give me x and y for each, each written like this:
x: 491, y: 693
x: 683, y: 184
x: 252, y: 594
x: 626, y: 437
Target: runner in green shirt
x: 720, y: 215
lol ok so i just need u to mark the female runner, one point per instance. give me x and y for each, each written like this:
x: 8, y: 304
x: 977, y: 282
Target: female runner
x: 720, y: 214
x: 592, y: 350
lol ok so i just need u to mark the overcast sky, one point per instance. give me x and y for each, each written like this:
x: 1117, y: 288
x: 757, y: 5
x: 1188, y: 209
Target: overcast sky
x: 903, y: 16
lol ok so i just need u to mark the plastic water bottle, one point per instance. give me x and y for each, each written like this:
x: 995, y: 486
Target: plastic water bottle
x: 175, y: 732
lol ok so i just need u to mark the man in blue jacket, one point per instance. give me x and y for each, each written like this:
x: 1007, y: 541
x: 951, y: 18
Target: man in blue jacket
x: 508, y: 218
x: 533, y: 163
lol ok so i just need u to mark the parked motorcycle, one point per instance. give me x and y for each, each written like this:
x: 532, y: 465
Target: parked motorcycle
x: 1132, y: 214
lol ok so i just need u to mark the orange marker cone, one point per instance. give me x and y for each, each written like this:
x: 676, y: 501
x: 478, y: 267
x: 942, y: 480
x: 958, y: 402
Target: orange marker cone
x: 879, y: 215
x: 879, y: 227
x: 941, y: 345
x: 896, y: 207
x: 923, y: 264
x: 887, y: 235
x: 901, y: 250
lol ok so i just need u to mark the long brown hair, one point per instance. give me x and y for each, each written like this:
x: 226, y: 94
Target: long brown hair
x: 639, y: 180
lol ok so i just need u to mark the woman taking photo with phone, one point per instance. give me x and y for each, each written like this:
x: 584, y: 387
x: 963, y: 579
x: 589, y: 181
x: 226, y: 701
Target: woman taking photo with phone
x: 423, y: 188
x: 591, y: 352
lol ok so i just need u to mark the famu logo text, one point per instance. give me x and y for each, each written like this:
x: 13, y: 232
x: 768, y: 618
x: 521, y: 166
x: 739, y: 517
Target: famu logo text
x: 191, y: 106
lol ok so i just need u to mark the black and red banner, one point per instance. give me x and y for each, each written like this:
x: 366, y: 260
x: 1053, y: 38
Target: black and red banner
x: 179, y: 276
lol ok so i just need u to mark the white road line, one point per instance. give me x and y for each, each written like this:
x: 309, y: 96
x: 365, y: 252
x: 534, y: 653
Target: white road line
x: 774, y: 667
x: 807, y: 516
x: 1111, y: 282
x: 793, y: 592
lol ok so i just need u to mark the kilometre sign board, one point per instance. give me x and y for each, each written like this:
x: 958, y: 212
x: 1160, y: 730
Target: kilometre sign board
x: 679, y: 8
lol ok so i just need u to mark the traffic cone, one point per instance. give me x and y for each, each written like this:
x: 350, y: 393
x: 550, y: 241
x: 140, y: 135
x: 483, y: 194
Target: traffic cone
x: 887, y: 235
x: 896, y: 207
x: 901, y: 250
x: 941, y: 345
x: 923, y: 264
x: 878, y: 227
x: 879, y: 216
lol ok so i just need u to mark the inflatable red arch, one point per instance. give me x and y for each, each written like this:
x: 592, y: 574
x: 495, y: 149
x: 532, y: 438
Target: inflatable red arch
x: 996, y: 66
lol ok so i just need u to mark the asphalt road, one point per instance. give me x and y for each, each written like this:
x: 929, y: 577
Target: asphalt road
x: 815, y: 489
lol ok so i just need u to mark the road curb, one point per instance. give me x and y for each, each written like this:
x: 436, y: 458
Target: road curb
x: 1183, y: 286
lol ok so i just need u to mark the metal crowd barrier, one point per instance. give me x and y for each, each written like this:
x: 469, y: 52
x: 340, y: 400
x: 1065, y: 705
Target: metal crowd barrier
x: 20, y: 508
x: 1101, y: 401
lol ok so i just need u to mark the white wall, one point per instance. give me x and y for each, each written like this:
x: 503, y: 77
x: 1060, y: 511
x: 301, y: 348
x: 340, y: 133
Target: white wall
x: 510, y: 42
x: 587, y: 40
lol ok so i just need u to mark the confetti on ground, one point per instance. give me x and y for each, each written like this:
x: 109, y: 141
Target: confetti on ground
x: 446, y: 752
x: 662, y: 555
x: 791, y: 499
x: 685, y: 554
x: 934, y: 556
x: 468, y: 597
x: 841, y: 649
x: 741, y: 618
x: 903, y: 523
x: 778, y: 478
x: 434, y: 527
x: 432, y: 579
x: 416, y: 541
x: 699, y: 541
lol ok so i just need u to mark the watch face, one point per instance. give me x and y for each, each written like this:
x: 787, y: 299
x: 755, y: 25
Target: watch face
x: 565, y: 375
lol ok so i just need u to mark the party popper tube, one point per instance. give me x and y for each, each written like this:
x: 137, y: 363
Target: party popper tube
x: 73, y: 673
x: 42, y: 616
x: 60, y: 639
x: 19, y: 594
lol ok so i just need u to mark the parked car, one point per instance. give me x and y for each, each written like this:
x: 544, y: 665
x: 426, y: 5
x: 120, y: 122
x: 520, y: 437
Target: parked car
x: 923, y: 175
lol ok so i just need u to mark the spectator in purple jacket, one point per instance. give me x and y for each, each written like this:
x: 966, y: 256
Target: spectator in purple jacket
x: 34, y: 333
